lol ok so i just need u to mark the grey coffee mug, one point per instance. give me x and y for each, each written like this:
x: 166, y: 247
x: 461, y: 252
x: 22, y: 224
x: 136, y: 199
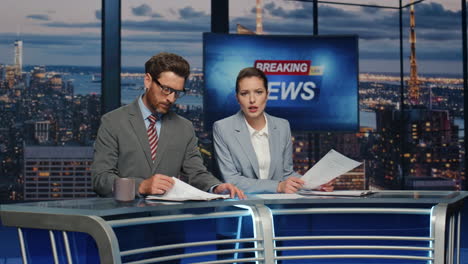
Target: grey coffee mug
x: 124, y: 189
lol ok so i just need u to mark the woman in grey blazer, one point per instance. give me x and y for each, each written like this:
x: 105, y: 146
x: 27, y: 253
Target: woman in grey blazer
x: 254, y: 149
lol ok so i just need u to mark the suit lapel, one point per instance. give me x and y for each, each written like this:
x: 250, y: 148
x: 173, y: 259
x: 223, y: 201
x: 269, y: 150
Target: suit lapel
x: 138, y: 125
x: 273, y: 140
x: 242, y: 135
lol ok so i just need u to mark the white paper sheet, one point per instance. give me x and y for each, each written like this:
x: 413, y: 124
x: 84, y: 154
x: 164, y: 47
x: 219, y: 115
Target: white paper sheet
x: 182, y: 191
x: 332, y: 165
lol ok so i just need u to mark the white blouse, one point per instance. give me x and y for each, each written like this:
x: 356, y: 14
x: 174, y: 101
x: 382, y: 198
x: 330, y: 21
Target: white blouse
x: 261, y: 146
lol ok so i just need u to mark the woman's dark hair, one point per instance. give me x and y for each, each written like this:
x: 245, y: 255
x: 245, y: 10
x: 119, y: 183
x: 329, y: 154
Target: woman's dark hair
x: 251, y: 72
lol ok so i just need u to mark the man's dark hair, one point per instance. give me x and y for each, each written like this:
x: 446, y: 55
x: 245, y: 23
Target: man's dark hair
x: 251, y: 72
x: 165, y: 61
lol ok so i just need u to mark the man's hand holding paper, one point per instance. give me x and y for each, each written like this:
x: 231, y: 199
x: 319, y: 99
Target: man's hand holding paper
x: 182, y: 191
x: 332, y: 165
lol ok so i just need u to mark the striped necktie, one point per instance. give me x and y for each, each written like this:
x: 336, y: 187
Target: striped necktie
x: 153, y: 136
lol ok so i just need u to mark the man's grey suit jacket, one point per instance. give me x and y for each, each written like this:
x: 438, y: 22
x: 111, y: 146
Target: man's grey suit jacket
x: 122, y: 150
x: 236, y: 156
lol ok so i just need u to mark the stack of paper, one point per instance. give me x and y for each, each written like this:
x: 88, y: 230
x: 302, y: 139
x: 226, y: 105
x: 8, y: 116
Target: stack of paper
x: 182, y: 191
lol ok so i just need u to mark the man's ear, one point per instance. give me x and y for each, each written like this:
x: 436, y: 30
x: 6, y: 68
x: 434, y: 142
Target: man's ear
x: 147, y: 81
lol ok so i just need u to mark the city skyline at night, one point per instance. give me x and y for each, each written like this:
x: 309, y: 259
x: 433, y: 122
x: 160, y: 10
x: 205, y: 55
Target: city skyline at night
x: 176, y: 26
x: 50, y: 88
x: 35, y: 102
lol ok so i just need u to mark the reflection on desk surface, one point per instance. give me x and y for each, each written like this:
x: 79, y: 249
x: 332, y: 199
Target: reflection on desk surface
x: 108, y: 206
x: 415, y: 194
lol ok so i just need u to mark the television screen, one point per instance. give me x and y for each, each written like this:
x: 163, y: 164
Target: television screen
x: 312, y: 80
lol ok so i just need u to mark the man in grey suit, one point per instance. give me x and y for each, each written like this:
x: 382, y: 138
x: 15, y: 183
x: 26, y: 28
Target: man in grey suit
x: 123, y: 147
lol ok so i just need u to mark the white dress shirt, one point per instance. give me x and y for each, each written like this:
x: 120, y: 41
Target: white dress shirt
x: 261, y: 146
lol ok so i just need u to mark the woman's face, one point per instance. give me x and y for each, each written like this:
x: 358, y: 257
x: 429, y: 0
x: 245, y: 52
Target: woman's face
x: 252, y: 97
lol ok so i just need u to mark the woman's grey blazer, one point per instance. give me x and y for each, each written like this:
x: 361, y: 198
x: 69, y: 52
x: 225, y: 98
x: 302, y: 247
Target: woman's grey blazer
x: 237, y: 160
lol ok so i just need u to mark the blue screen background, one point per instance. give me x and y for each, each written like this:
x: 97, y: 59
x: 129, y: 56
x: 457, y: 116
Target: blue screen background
x: 335, y: 105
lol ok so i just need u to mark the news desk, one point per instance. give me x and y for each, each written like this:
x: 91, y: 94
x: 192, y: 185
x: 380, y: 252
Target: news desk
x: 384, y: 227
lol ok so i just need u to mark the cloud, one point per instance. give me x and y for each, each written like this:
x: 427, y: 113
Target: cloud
x: 73, y: 25
x: 189, y: 12
x: 191, y: 52
x: 363, y: 33
x: 164, y: 38
x: 48, y: 40
x: 365, y: 22
x: 142, y: 10
x: 304, y: 11
x: 200, y: 24
x: 433, y: 23
x: 38, y: 17
x: 333, y: 12
x: 379, y: 32
x: 98, y: 14
x: 278, y: 11
x: 421, y: 55
x: 427, y: 16
x: 435, y: 16
x: 435, y: 35
x: 437, y: 29
x: 276, y: 25
x: 370, y: 10
x: 162, y: 25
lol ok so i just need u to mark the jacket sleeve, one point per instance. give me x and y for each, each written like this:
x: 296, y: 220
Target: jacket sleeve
x: 104, y: 168
x: 193, y: 167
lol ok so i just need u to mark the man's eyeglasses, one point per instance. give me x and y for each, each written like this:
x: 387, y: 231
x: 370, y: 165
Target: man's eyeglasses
x: 168, y: 90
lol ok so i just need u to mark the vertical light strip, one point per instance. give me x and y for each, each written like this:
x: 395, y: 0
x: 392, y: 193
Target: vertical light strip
x: 54, y: 247
x: 255, y: 221
x: 67, y: 247
x: 22, y: 246
x: 431, y: 235
x: 458, y: 236
x: 451, y: 249
x: 238, y: 236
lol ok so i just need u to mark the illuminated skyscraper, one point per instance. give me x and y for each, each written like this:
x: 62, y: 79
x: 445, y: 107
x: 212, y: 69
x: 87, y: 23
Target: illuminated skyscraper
x: 413, y: 82
x: 57, y: 172
x: 10, y: 76
x: 42, y: 131
x: 426, y: 156
x: 19, y: 57
x: 55, y: 82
